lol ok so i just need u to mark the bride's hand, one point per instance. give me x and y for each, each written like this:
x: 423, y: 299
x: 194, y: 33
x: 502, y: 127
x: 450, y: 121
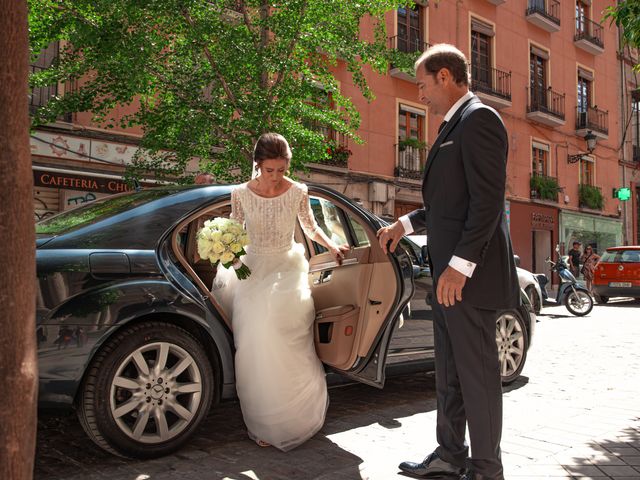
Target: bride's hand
x: 338, y: 252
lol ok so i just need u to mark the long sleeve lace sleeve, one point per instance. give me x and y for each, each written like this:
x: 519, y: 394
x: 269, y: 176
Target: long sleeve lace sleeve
x: 236, y: 207
x: 305, y: 215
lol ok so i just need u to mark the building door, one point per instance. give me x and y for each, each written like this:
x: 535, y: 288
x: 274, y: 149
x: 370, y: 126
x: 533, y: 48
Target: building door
x: 542, y: 249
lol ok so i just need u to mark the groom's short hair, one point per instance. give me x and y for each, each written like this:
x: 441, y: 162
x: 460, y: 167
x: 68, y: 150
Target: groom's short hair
x: 444, y: 55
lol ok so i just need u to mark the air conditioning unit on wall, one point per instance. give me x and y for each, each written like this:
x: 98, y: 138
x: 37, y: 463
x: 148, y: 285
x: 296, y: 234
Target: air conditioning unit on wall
x: 378, y: 192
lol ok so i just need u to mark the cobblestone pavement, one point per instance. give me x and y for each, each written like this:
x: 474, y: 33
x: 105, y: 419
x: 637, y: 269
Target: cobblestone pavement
x: 573, y: 414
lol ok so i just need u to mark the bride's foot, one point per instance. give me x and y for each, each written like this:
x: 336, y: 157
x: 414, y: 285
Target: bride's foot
x: 262, y: 444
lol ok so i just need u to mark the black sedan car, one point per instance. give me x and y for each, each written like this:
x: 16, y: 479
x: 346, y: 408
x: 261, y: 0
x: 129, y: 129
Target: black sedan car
x: 130, y: 334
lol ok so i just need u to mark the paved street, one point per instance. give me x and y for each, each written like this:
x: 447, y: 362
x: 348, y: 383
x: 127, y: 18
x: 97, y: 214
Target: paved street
x: 573, y: 414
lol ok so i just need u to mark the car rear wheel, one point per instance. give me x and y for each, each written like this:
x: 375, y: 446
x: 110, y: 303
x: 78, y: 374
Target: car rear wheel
x: 146, y: 391
x: 535, y: 300
x: 512, y: 339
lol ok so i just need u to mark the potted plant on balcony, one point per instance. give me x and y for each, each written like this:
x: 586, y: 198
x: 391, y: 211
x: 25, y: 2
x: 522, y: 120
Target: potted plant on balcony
x: 338, y: 154
x: 590, y: 197
x: 411, y: 142
x: 544, y: 188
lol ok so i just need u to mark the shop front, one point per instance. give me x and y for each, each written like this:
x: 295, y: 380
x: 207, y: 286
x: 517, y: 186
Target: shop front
x: 597, y: 231
x: 534, y: 234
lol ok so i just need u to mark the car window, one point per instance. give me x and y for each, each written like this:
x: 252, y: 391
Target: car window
x: 362, y: 238
x: 95, y: 211
x: 329, y: 219
x: 609, y: 256
x: 630, y: 256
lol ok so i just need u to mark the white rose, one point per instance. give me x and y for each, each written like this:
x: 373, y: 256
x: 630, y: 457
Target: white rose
x: 215, y: 236
x: 227, y: 257
x: 228, y: 238
x: 213, y: 257
x: 218, y: 247
x: 235, y: 247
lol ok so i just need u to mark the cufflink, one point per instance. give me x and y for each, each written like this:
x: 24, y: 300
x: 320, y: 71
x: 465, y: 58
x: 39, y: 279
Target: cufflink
x: 469, y: 264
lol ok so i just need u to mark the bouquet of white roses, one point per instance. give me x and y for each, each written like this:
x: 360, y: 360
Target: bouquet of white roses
x: 223, y: 240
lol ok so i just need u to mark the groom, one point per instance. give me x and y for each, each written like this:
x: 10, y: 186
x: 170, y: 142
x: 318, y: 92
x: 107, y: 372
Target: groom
x: 472, y: 263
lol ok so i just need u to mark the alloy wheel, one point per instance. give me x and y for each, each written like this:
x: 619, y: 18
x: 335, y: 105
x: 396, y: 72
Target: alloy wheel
x: 511, y: 341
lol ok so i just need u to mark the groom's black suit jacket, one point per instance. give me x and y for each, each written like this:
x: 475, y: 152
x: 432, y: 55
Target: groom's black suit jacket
x: 463, y: 192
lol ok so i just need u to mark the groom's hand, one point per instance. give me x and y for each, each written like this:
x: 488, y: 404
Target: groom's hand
x: 450, y: 285
x: 390, y: 236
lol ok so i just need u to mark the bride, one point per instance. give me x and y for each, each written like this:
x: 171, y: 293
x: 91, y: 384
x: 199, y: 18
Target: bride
x: 279, y: 379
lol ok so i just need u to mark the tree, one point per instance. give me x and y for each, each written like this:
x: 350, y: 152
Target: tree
x: 18, y: 367
x: 626, y: 15
x: 211, y: 75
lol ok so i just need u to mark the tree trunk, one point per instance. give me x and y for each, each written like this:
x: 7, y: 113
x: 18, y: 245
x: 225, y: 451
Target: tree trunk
x: 18, y: 367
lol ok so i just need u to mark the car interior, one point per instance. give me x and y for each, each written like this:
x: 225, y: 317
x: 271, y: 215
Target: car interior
x: 352, y: 300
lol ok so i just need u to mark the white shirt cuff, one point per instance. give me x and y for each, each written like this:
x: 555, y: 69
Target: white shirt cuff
x: 406, y: 223
x: 463, y: 266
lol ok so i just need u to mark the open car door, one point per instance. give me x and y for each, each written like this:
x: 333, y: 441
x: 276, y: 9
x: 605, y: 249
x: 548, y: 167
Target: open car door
x: 357, y: 303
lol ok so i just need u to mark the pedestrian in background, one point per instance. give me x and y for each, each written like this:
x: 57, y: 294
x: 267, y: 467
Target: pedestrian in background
x: 589, y: 261
x: 574, y: 259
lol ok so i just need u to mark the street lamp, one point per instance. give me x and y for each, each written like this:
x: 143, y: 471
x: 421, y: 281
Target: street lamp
x: 591, y: 139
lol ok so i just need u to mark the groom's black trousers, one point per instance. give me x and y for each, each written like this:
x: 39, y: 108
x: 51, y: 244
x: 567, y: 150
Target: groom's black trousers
x: 468, y: 386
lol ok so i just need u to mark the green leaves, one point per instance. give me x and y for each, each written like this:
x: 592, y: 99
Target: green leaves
x: 206, y: 77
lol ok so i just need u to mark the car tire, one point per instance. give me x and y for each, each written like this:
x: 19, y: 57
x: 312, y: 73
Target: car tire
x: 534, y: 298
x: 601, y: 299
x: 579, y: 303
x: 512, y: 339
x: 146, y: 391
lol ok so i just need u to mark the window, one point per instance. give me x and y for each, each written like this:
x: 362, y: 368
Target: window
x: 481, y: 37
x: 582, y: 11
x: 635, y: 129
x: 362, y: 238
x: 330, y: 219
x: 540, y: 158
x: 585, y: 99
x: 410, y: 123
x: 538, y: 74
x: 41, y: 95
x: 587, y: 171
x: 410, y: 37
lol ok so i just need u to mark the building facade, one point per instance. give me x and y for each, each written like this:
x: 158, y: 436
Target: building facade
x: 550, y: 68
x: 554, y: 74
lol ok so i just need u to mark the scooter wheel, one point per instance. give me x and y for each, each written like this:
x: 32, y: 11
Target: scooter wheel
x: 579, y: 302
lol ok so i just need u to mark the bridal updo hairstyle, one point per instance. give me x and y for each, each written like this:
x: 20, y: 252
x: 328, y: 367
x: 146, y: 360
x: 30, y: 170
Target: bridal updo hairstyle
x: 271, y: 146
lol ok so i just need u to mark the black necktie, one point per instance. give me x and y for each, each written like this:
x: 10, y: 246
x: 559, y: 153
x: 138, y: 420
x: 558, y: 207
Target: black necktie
x: 442, y: 125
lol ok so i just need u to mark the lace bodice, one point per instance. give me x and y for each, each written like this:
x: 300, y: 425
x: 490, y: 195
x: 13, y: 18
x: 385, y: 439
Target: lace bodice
x: 270, y: 222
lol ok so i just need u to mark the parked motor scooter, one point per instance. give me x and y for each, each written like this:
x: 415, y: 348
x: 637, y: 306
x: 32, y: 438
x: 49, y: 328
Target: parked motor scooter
x: 574, y: 296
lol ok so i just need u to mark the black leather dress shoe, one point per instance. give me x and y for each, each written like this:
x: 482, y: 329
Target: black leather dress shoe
x: 431, y: 467
x: 471, y: 475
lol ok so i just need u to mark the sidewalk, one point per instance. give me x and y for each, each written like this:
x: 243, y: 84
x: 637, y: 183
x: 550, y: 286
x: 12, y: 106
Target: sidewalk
x: 574, y: 414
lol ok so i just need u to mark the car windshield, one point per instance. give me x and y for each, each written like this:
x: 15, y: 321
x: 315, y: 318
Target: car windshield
x: 95, y: 211
x: 621, y: 256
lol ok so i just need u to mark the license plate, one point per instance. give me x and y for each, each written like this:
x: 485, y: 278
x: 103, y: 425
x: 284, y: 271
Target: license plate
x: 619, y: 284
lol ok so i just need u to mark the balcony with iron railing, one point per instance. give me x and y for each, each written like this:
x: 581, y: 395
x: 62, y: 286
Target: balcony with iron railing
x: 492, y: 85
x: 589, y: 36
x: 594, y: 120
x: 410, y: 161
x: 546, y: 106
x: 411, y: 47
x: 544, y: 14
x: 544, y: 187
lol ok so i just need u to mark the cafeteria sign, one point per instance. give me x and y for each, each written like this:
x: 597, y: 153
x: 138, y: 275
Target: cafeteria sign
x: 68, y: 181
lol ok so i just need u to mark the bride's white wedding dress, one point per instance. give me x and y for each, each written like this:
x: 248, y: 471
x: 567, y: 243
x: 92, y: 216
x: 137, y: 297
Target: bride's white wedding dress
x: 279, y: 379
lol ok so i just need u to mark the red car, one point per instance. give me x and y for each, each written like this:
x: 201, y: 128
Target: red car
x: 618, y: 274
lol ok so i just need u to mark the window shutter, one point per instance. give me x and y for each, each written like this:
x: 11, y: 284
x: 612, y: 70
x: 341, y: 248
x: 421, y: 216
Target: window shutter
x: 407, y: 108
x: 586, y: 74
x: 539, y: 52
x: 482, y: 27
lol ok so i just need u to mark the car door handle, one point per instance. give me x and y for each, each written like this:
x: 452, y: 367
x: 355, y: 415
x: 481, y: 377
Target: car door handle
x: 375, y: 302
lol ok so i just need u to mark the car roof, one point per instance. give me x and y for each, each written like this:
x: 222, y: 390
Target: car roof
x: 626, y: 247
